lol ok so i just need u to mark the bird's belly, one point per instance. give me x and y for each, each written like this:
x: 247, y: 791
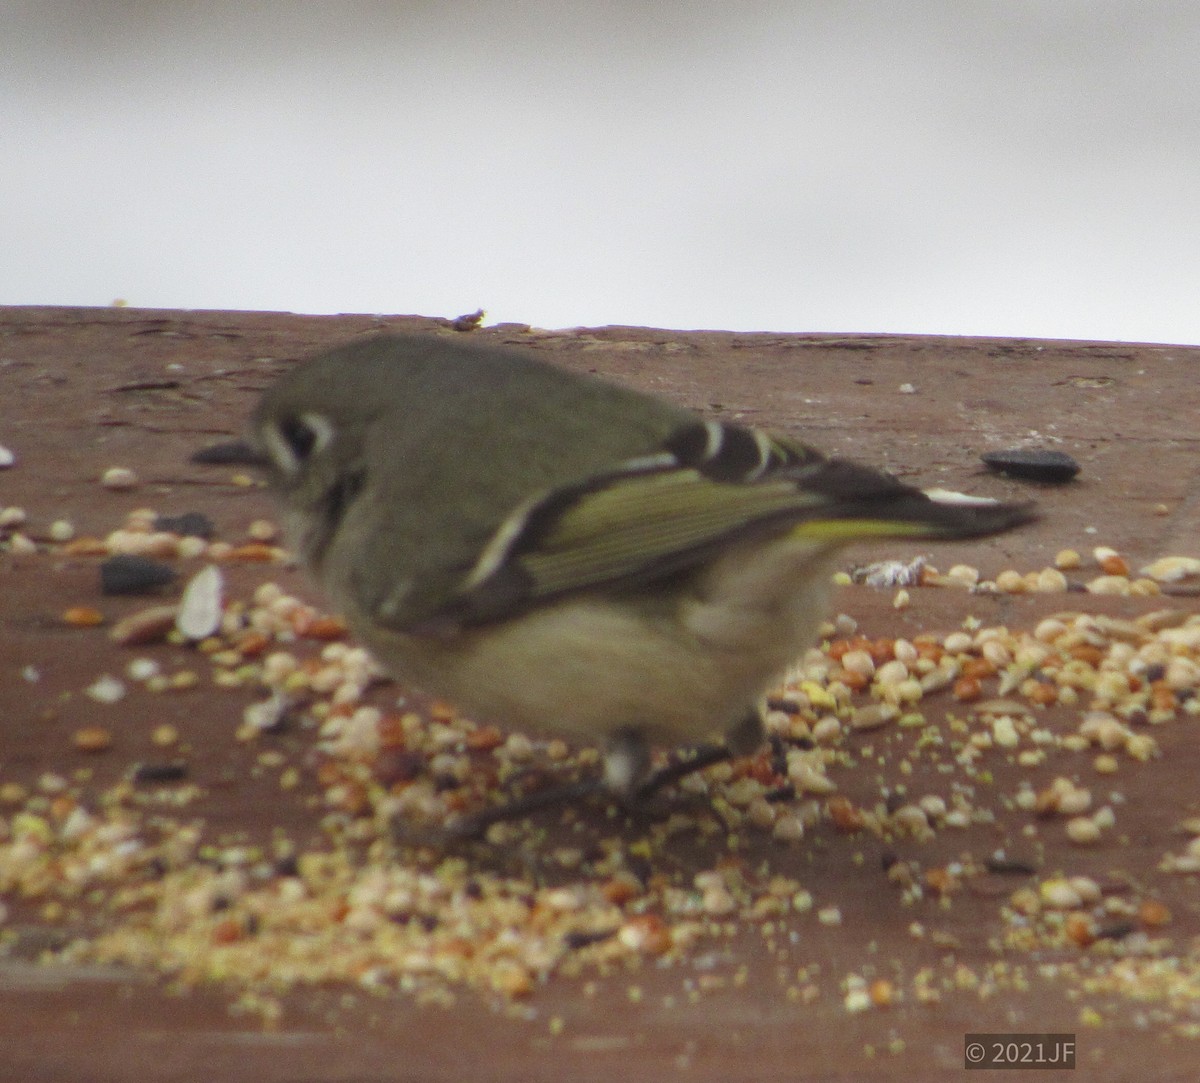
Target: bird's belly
x: 586, y: 668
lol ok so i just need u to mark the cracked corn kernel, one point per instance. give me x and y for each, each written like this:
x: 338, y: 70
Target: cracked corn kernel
x: 1057, y: 894
x: 119, y: 479
x: 1011, y: 582
x: 1141, y: 747
x: 1083, y: 830
x: 92, y: 739
x: 958, y: 643
x: 1051, y: 581
x: 1110, y: 561
x: 83, y: 616
x: 882, y: 993
x: 165, y: 735
x: 1153, y: 914
x: 1108, y: 584
x: 857, y: 1000
x: 511, y: 979
x: 1080, y: 929
x: 967, y: 689
x: 964, y: 574
x: 1172, y: 569
x: 1004, y: 732
x: 1067, y: 559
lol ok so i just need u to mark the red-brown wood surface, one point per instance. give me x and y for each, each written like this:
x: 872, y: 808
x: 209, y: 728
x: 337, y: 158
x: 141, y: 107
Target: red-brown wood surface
x: 81, y: 390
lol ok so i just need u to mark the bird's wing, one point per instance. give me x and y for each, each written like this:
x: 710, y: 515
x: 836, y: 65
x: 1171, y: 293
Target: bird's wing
x: 710, y: 486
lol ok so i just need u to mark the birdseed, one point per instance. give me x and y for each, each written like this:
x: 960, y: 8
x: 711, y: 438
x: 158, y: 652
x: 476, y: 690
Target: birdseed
x: 971, y: 727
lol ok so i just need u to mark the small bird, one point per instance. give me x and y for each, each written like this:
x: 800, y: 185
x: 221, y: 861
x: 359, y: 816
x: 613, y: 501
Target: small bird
x: 565, y: 556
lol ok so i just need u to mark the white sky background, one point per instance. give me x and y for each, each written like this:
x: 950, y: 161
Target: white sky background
x: 1016, y: 167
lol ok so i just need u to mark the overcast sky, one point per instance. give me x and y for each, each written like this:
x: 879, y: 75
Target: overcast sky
x: 1002, y: 168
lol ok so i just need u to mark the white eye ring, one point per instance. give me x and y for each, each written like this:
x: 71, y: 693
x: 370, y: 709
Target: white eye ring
x: 310, y: 434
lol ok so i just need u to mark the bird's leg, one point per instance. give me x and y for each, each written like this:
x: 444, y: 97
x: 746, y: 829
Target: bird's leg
x: 626, y: 775
x: 626, y: 763
x: 694, y: 759
x: 474, y: 825
x: 741, y: 739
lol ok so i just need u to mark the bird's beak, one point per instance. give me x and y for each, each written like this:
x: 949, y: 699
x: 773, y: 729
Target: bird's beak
x: 230, y: 453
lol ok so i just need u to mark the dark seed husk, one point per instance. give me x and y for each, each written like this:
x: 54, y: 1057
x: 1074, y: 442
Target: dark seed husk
x: 1009, y: 866
x: 127, y: 573
x: 171, y: 771
x: 229, y: 453
x: 1032, y: 464
x: 191, y: 524
x: 581, y: 939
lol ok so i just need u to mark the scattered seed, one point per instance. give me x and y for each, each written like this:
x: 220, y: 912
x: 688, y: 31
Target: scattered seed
x: 327, y: 628
x: 964, y: 574
x: 92, y: 739
x: 1059, y: 895
x: 1141, y: 747
x: 127, y: 573
x: 873, y: 716
x: 7, y: 458
x: 882, y: 993
x: 1011, y: 582
x: 1051, y: 581
x: 967, y: 689
x: 1153, y: 914
x: 200, y: 609
x: 1005, y: 866
x: 1110, y: 561
x: 173, y: 771
x: 119, y: 479
x: 146, y: 626
x: 86, y: 547
x: 191, y: 524
x: 844, y: 815
x: 229, y: 452
x: 576, y: 940
x: 1083, y: 830
x: 1080, y: 929
x: 788, y: 827
x: 82, y: 616
x: 1108, y: 584
x: 1172, y: 569
x: 1032, y: 464
x: 165, y: 735
x: 253, y: 553
x: 106, y: 690
x: 61, y: 530
x: 1004, y: 732
x: 806, y: 771
x: 1074, y: 801
x: 717, y: 901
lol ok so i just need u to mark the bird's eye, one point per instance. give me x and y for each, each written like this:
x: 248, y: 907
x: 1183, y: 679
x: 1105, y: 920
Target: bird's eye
x: 301, y: 437
x: 296, y: 438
